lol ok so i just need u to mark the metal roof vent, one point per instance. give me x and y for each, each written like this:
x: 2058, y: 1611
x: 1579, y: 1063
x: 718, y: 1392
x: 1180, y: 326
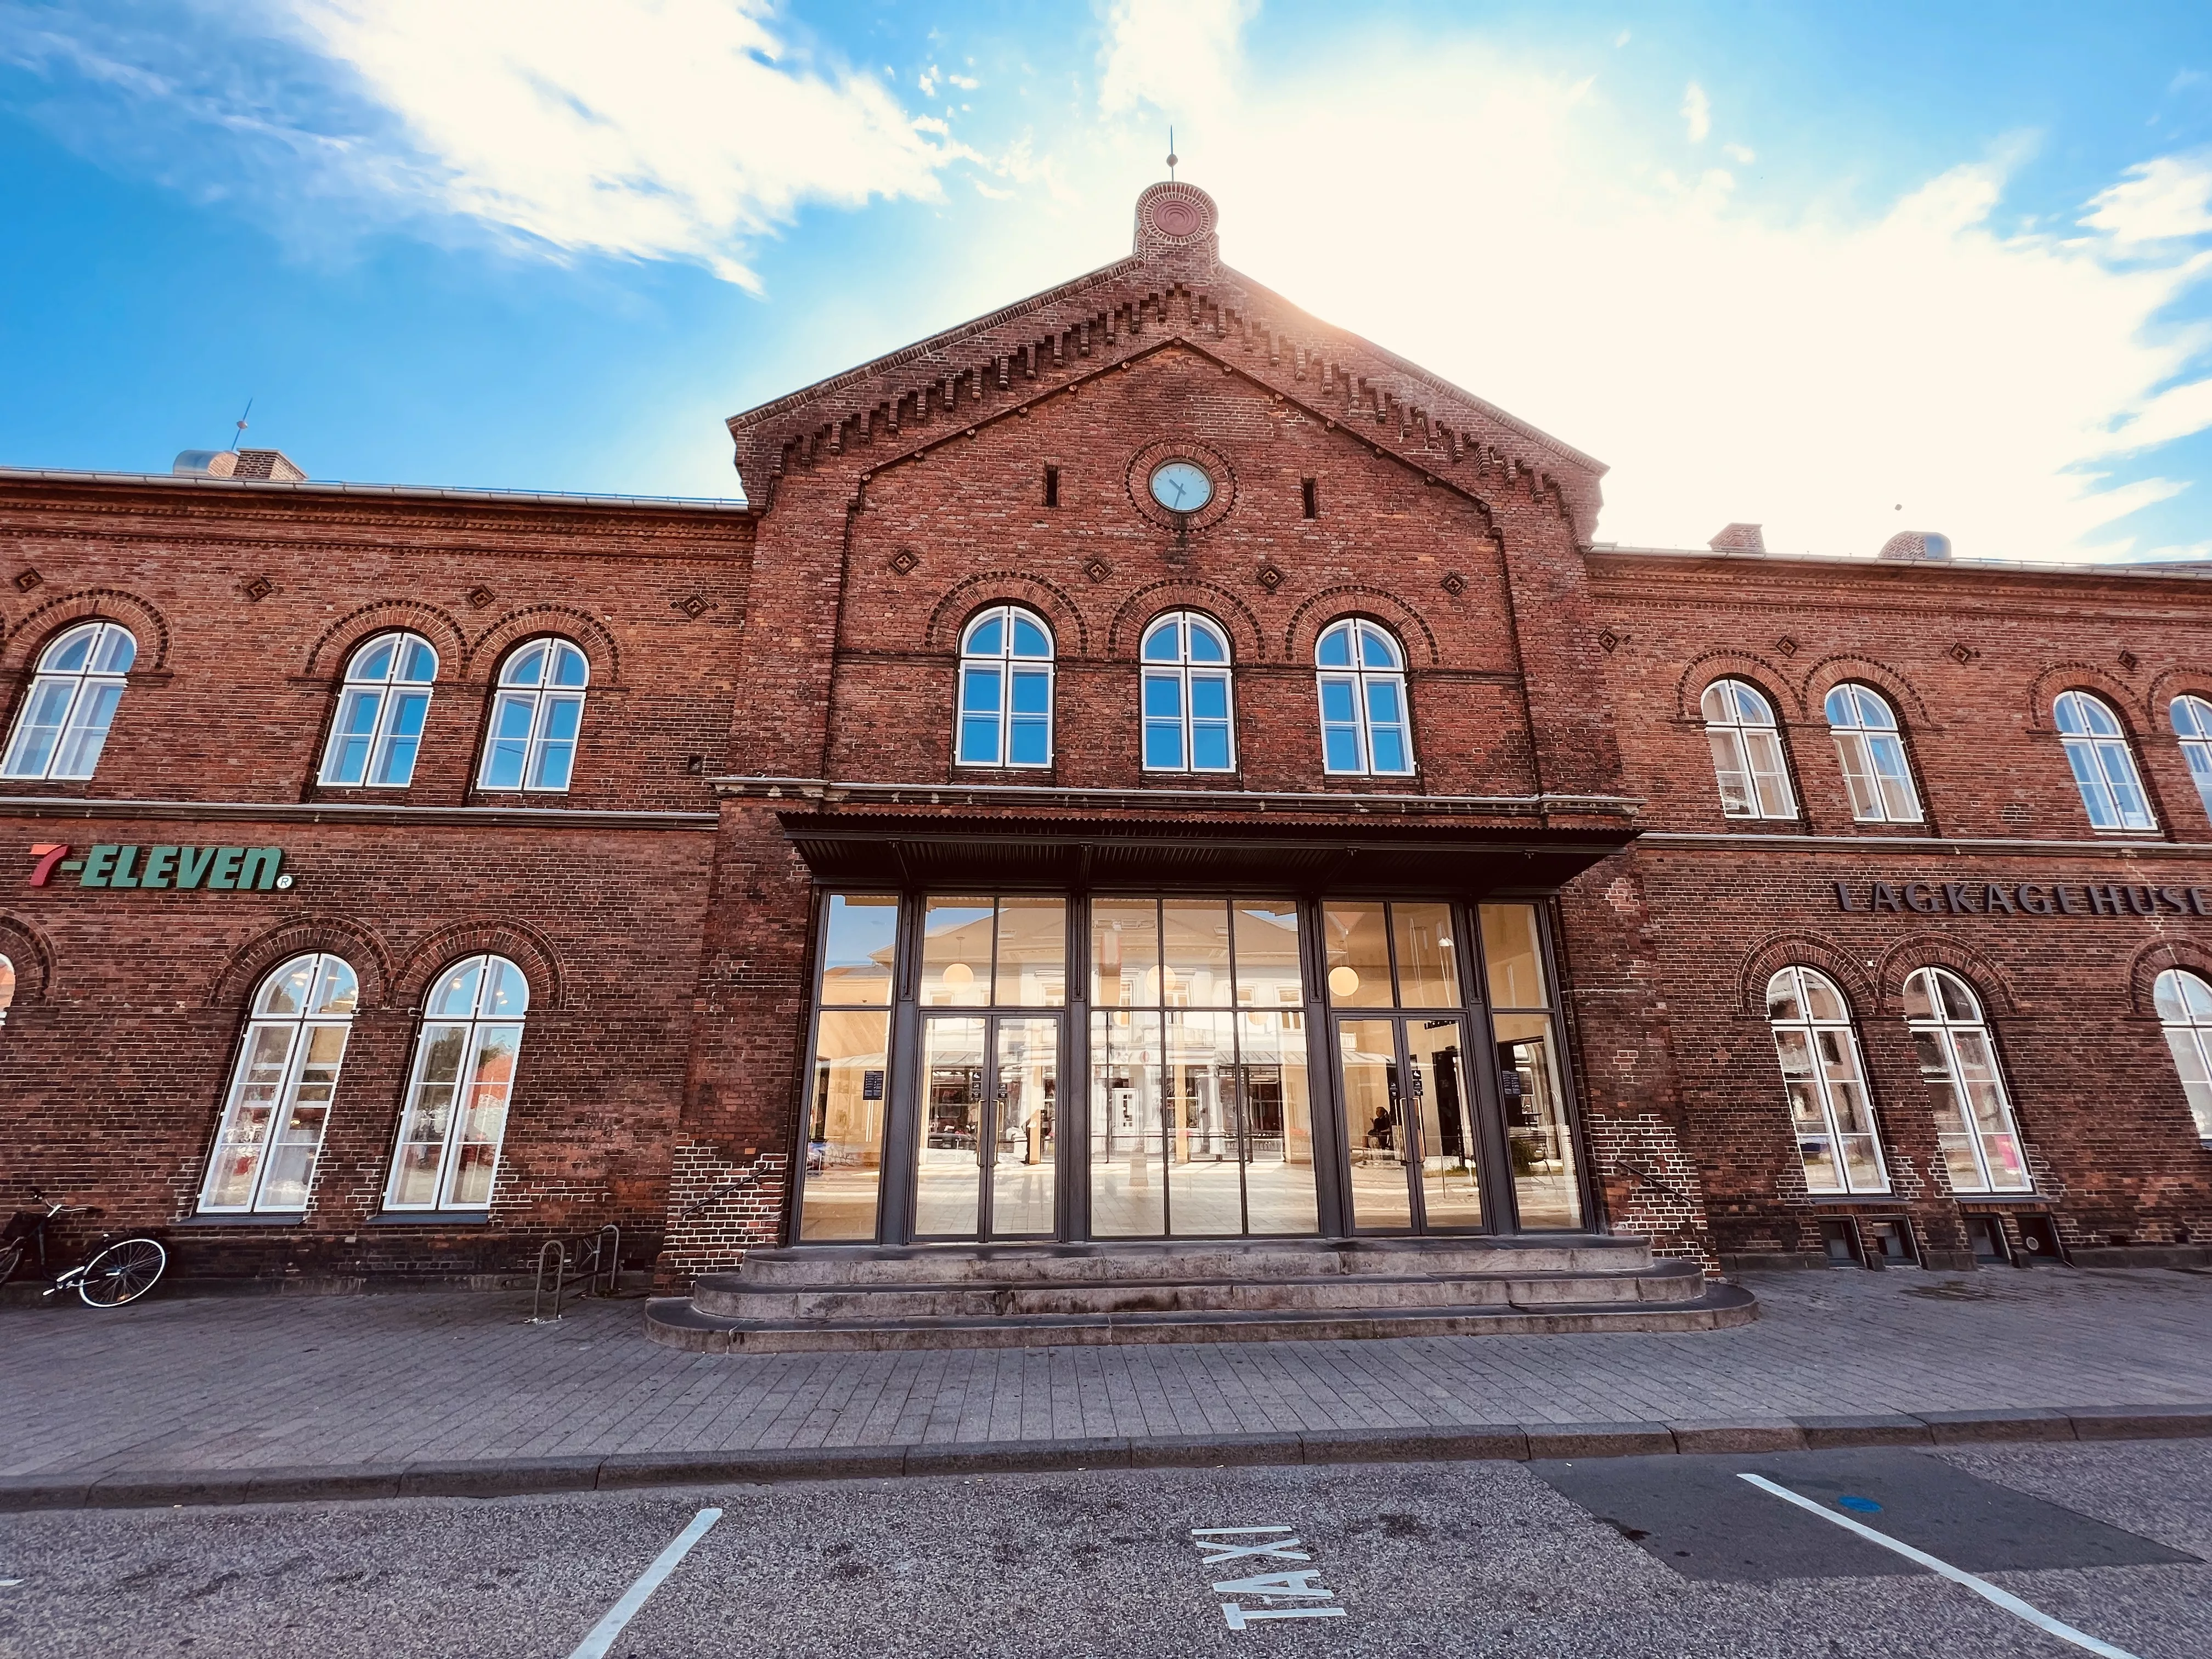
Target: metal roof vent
x: 1916, y: 544
x: 272, y: 465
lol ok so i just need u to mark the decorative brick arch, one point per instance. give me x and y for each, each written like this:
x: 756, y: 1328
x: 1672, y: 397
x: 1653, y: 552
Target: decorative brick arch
x: 521, y: 943
x: 581, y: 627
x: 147, y: 625
x: 335, y: 647
x: 1126, y: 631
x: 1802, y: 949
x: 364, y: 950
x: 2124, y: 701
x: 1930, y: 950
x: 1830, y: 672
x: 32, y: 956
x: 1701, y: 672
x: 2153, y: 959
x: 2169, y: 685
x: 1332, y: 605
x: 989, y: 588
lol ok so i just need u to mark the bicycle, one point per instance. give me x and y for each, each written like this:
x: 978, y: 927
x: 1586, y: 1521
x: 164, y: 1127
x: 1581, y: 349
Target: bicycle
x: 114, y: 1274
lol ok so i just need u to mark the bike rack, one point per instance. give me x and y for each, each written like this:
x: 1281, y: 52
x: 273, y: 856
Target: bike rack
x: 601, y: 1258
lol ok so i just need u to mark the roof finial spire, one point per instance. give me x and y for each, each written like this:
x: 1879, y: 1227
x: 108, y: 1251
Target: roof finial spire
x: 1172, y: 155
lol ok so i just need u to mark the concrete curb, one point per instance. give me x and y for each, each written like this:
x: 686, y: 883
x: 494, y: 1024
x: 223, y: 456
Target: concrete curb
x: 1512, y: 1442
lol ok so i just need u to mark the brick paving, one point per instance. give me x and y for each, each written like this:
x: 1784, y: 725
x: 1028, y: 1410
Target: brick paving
x: 202, y: 1384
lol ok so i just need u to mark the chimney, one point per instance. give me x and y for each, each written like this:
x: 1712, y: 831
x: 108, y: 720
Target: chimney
x: 271, y: 465
x: 1922, y: 544
x: 1739, y: 539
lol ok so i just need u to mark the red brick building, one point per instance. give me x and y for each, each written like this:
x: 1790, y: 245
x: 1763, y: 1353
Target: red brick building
x: 1143, y: 764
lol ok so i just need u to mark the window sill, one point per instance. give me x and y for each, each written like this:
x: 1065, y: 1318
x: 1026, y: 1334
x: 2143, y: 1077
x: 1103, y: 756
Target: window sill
x: 1887, y: 1200
x: 242, y: 1218
x: 430, y: 1218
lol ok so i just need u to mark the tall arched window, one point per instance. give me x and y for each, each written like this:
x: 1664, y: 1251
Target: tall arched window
x: 280, y: 1092
x: 1363, y: 723
x: 1746, y: 747
x: 2104, y: 766
x: 1872, y: 753
x: 2192, y: 724
x: 380, y: 713
x: 1006, y: 690
x: 1825, y: 1084
x: 457, y: 1100
x: 2184, y: 1008
x: 1186, y: 695
x: 536, y: 716
x: 1973, y: 1118
x: 7, y: 988
x: 71, y: 703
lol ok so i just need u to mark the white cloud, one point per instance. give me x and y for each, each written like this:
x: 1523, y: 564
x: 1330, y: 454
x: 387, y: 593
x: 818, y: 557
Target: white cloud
x: 1176, y: 55
x: 2157, y: 200
x: 1739, y: 154
x: 1697, y: 112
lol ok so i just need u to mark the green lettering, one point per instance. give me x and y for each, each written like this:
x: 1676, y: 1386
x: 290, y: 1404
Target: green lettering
x: 121, y: 876
x: 95, y: 865
x: 259, y: 870
x: 159, y: 862
x: 224, y: 877
x: 192, y: 864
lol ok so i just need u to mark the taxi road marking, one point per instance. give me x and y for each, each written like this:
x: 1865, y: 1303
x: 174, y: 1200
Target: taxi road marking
x: 1222, y: 1544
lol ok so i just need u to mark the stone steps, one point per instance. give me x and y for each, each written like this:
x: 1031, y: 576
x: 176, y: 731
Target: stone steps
x: 939, y: 1295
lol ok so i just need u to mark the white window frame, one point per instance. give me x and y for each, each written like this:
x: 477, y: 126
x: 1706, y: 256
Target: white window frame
x: 299, y: 1097
x: 75, y: 705
x: 1179, y: 677
x: 1950, y: 1040
x: 1838, y: 1053
x: 381, y: 716
x: 1750, y: 767
x: 525, y: 717
x: 2193, y: 723
x: 1368, y: 684
x: 2103, y: 762
x: 2186, y: 1020
x: 7, y: 988
x: 472, y: 1094
x: 1002, y: 676
x: 1870, y: 746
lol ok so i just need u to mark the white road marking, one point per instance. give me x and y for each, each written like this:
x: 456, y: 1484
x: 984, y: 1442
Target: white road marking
x: 1239, y: 1615
x: 1280, y: 1549
x: 619, y: 1616
x: 1981, y: 1587
x: 1208, y: 1532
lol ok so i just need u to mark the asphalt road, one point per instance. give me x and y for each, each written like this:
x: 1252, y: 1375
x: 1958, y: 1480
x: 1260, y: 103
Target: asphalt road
x: 1673, y: 1557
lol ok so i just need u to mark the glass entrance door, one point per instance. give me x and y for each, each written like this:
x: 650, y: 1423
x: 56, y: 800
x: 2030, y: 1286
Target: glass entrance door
x: 986, y: 1136
x: 1416, y: 1161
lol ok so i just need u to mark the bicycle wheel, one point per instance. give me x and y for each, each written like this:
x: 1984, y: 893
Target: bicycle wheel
x: 122, y: 1272
x: 11, y: 1257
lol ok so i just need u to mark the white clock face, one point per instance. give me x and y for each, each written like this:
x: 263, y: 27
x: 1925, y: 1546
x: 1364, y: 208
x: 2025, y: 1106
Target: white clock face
x: 1182, y: 487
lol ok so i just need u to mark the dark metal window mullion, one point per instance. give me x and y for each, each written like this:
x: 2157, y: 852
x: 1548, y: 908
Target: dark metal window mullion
x: 1501, y: 1209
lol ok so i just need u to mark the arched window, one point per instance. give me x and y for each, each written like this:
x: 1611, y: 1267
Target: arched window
x: 1006, y: 690
x: 2184, y: 1008
x: 1363, y: 727
x: 1873, y: 754
x: 1187, y: 696
x: 2192, y: 724
x: 380, y: 713
x: 2104, y: 766
x: 1973, y: 1119
x: 280, y: 1093
x: 7, y: 988
x: 1746, y: 747
x: 456, y: 1117
x: 535, y: 718
x: 71, y: 702
x: 1825, y: 1084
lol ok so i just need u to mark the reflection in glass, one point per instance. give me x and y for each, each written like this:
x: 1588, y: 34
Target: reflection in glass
x: 844, y: 1127
x: 1823, y: 1083
x: 456, y: 1117
x: 1452, y: 1184
x: 1428, y: 962
x: 1514, y: 955
x: 860, y: 938
x: 1358, y: 945
x: 1268, y: 968
x: 1538, y: 1139
x: 1125, y: 953
x: 1195, y: 935
x: 1024, y: 1133
x: 1368, y: 1049
x: 1973, y: 1119
x: 956, y: 952
x: 1128, y: 1172
x: 1278, y: 1168
x: 1032, y: 962
x: 949, y: 1135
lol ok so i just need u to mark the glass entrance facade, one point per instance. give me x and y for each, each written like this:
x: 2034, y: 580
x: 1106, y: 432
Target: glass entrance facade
x: 1175, y: 1065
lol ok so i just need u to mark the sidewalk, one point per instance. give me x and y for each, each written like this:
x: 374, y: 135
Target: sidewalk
x: 199, y: 1398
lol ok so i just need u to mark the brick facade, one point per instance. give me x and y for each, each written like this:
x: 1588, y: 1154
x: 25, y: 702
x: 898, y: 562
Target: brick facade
x: 769, y: 681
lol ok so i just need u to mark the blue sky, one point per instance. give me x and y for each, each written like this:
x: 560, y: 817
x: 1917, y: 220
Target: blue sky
x: 1837, y: 270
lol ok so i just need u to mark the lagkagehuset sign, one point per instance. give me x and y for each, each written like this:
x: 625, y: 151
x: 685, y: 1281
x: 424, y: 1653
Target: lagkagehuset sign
x: 2027, y: 898
x: 188, y: 869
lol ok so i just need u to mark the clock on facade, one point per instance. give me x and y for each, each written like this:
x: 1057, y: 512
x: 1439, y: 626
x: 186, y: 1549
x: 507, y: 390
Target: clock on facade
x: 1182, y: 487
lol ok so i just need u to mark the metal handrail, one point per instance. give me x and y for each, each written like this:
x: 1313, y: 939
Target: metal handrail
x: 601, y: 1257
